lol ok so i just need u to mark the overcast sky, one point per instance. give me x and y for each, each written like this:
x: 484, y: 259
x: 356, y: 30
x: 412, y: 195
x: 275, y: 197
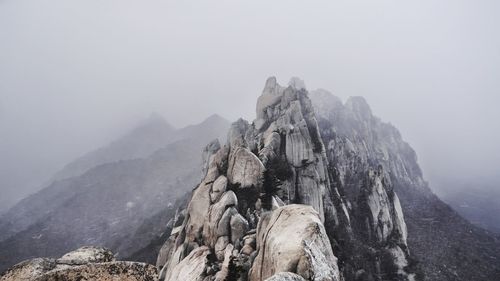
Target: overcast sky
x: 76, y: 74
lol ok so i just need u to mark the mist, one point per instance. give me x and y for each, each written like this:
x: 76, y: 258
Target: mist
x: 74, y: 75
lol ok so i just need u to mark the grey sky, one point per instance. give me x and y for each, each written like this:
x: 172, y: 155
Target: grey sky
x: 75, y: 74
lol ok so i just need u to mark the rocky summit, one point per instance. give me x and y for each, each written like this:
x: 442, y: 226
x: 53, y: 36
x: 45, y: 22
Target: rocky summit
x: 270, y: 203
x: 313, y: 189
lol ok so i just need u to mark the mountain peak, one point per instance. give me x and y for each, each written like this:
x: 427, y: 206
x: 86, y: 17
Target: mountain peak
x: 274, y: 179
x: 155, y: 119
x: 215, y: 118
x: 359, y: 106
x: 297, y: 83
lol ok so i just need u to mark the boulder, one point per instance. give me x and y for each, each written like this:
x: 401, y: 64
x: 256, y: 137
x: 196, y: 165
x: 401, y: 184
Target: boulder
x: 29, y: 270
x: 218, y: 217
x: 107, y: 271
x: 208, y: 154
x: 86, y: 263
x: 237, y: 133
x: 191, y: 268
x: 294, y: 240
x: 224, y: 224
x: 245, y: 169
x: 218, y: 188
x: 217, y: 163
x: 196, y: 211
x: 87, y: 254
x: 239, y: 227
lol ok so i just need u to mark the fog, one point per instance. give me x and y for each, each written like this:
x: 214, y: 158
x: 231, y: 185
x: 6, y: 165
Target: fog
x: 76, y: 74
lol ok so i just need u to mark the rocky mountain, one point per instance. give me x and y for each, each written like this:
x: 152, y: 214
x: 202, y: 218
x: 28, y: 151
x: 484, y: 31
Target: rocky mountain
x: 149, y: 136
x: 272, y: 202
x: 109, y: 204
x: 312, y: 189
x: 446, y: 246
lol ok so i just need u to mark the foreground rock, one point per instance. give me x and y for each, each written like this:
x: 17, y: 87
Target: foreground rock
x: 86, y: 263
x: 293, y: 239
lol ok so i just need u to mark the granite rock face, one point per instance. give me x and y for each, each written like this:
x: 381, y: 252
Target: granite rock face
x: 269, y: 206
x: 369, y: 163
x: 86, y: 263
x: 294, y: 240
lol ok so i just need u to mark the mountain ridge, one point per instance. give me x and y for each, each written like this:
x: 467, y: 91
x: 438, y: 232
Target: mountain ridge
x: 106, y: 202
x: 334, y: 167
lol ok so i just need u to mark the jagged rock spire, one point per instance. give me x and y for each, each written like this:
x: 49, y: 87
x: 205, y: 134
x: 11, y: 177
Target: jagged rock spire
x: 244, y: 215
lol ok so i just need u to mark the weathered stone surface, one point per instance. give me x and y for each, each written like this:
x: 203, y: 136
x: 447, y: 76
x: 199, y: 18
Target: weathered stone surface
x: 278, y: 159
x: 217, y: 220
x: 247, y: 250
x: 218, y: 188
x: 237, y: 133
x: 224, y: 224
x: 310, y: 190
x: 285, y: 276
x: 363, y: 151
x: 399, y: 221
x: 294, y: 240
x: 166, y: 251
x: 29, y: 270
x: 379, y: 206
x: 208, y: 154
x: 217, y: 163
x: 191, y: 268
x: 245, y: 169
x: 108, y: 271
x: 196, y: 211
x: 222, y: 275
x: 220, y: 246
x: 87, y: 254
x: 271, y: 95
x: 86, y: 263
x: 176, y: 256
x: 239, y: 227
x: 250, y: 240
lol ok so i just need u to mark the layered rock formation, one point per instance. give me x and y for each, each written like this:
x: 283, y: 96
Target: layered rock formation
x: 243, y: 221
x: 86, y: 263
